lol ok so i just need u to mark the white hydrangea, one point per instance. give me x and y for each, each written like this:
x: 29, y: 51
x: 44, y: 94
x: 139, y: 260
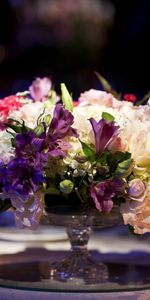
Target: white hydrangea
x: 6, y: 149
x: 134, y: 122
x: 30, y: 113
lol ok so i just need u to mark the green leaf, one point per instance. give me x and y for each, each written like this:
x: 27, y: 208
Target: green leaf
x: 24, y: 128
x: 108, y: 117
x: 104, y: 158
x: 144, y: 99
x: 15, y: 121
x: 15, y: 128
x: 18, y: 127
x: 116, y: 158
x: 66, y: 98
x: 124, y: 168
x: 106, y: 86
x: 88, y: 151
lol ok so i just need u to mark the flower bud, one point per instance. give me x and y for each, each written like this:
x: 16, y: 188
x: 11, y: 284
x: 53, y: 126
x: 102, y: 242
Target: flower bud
x: 39, y: 129
x: 66, y: 186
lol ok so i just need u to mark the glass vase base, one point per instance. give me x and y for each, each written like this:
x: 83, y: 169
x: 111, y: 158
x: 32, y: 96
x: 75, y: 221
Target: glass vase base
x: 75, y: 268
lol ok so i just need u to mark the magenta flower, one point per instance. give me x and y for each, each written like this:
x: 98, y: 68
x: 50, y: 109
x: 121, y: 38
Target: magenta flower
x: 104, y: 132
x: 40, y: 88
x: 104, y: 192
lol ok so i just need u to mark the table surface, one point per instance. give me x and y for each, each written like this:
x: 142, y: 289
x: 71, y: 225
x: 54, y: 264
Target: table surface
x: 110, y: 243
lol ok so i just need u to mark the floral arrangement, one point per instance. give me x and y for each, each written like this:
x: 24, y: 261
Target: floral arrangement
x: 96, y: 154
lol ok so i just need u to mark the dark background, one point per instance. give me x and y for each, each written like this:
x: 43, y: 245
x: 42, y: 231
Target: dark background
x: 53, y: 38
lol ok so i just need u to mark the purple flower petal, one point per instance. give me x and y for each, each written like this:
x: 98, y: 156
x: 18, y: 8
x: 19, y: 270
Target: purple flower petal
x: 104, y: 192
x: 104, y: 132
x: 60, y: 126
x: 57, y: 153
x: 37, y: 144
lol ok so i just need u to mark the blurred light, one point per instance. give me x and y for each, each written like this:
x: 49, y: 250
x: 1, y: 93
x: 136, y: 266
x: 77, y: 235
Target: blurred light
x: 84, y: 20
x: 2, y: 53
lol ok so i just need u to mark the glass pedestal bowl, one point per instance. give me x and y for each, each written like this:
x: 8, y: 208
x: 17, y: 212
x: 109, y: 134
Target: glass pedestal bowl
x: 77, y: 270
x: 78, y: 266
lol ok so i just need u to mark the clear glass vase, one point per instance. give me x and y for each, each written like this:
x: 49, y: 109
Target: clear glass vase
x: 79, y: 266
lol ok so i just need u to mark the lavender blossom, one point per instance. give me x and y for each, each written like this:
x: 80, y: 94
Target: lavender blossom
x: 40, y: 88
x: 104, y: 132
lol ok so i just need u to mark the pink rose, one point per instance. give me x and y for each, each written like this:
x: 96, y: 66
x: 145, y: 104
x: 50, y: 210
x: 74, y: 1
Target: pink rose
x: 137, y: 215
x: 137, y: 190
x: 136, y: 210
x: 96, y: 97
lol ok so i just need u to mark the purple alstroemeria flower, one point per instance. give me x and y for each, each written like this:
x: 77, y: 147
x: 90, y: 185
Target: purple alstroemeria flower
x: 31, y: 147
x: 104, y: 192
x: 104, y: 132
x: 22, y: 177
x: 60, y: 126
x: 40, y: 88
x: 28, y: 144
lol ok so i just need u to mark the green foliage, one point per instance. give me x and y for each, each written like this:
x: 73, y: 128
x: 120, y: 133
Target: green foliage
x: 124, y: 168
x: 16, y: 126
x: 108, y: 117
x: 106, y: 86
x: 118, y: 165
x: 103, y: 159
x: 88, y: 152
x: 116, y: 158
x: 144, y: 99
